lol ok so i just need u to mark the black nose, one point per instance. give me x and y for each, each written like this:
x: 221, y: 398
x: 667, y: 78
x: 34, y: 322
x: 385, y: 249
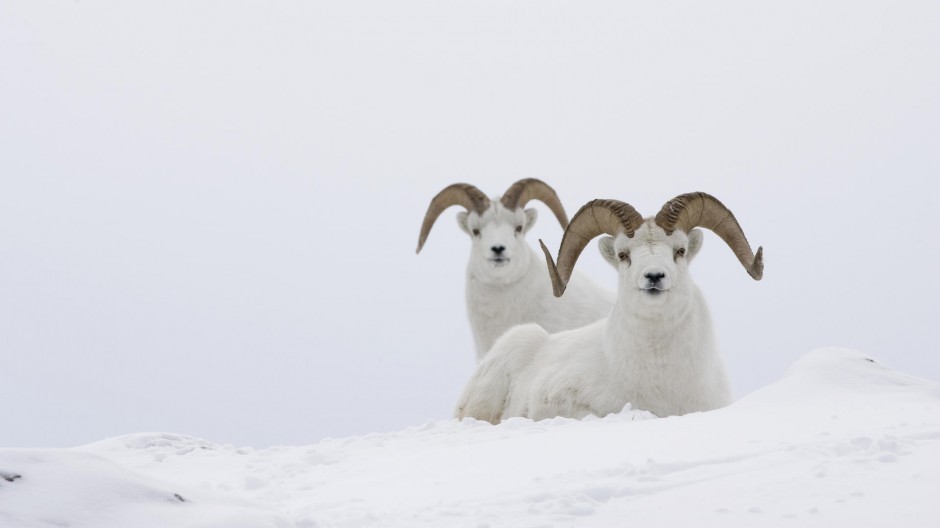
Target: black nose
x: 654, y: 277
x: 498, y: 249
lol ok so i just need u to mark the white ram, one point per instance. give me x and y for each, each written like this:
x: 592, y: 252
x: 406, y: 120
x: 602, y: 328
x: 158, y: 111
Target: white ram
x: 656, y: 350
x: 505, y: 284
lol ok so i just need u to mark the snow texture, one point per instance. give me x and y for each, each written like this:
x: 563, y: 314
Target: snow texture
x: 841, y: 440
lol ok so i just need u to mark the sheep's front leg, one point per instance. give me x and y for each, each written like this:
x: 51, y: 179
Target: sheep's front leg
x: 490, y: 391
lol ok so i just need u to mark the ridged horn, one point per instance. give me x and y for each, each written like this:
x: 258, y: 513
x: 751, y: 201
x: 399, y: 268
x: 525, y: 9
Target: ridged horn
x: 595, y: 218
x: 519, y: 194
x: 698, y: 209
x: 464, y: 194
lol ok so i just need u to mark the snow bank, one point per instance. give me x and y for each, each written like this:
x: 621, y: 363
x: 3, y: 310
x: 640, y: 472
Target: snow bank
x: 840, y: 440
x: 59, y: 487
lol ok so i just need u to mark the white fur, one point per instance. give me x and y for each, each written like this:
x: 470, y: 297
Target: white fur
x: 655, y: 351
x: 503, y: 294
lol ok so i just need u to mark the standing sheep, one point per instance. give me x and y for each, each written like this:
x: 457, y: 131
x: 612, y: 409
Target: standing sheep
x: 505, y: 283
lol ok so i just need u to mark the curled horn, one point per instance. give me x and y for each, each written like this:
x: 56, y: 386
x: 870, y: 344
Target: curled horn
x: 471, y: 198
x: 699, y: 209
x: 596, y: 217
x: 527, y: 189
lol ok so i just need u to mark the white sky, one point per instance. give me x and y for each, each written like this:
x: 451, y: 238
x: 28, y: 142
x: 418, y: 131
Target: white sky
x: 208, y: 211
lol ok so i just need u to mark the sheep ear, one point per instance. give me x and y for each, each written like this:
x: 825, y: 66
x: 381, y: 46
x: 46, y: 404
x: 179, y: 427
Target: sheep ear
x: 462, y: 221
x: 695, y: 243
x: 531, y: 215
x: 606, y: 245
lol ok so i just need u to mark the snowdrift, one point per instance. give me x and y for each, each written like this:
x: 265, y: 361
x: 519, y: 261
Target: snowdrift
x: 841, y: 440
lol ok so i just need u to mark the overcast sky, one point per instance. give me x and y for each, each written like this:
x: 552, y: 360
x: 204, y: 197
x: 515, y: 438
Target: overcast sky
x: 208, y: 210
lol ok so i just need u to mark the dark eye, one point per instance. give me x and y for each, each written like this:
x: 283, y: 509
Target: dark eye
x: 476, y: 232
x: 518, y: 229
x: 680, y: 253
x: 624, y: 256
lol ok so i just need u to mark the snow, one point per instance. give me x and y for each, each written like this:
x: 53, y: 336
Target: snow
x: 841, y: 440
x: 175, y: 189
x: 69, y: 487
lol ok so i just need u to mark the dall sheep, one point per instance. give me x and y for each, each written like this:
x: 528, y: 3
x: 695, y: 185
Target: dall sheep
x: 656, y: 350
x: 505, y: 284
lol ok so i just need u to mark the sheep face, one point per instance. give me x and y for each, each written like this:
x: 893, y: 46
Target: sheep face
x: 499, y: 253
x: 653, y: 266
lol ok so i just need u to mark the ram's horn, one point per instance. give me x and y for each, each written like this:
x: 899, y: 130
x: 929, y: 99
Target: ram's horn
x: 519, y: 194
x: 698, y: 209
x: 471, y: 198
x: 597, y: 217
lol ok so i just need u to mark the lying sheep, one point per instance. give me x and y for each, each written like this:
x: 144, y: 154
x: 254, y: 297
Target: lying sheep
x: 656, y: 350
x: 505, y: 283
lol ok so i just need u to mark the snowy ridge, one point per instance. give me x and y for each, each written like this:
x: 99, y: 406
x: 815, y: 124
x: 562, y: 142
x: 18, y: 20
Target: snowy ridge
x: 68, y: 487
x: 840, y: 439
